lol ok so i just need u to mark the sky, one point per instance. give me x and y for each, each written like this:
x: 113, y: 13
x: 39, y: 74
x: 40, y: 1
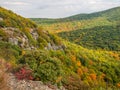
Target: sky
x: 56, y: 8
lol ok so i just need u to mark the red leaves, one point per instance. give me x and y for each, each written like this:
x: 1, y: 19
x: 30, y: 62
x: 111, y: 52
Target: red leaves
x: 24, y: 73
x: 30, y: 77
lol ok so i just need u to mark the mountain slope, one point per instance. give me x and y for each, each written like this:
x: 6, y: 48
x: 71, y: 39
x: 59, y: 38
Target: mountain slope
x: 21, y: 31
x: 102, y: 37
x: 48, y: 58
x: 80, y: 21
x: 109, y: 14
x: 10, y: 19
x: 99, y: 30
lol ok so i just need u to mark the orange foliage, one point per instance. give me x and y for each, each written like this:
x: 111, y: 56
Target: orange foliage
x: 91, y: 62
x: 79, y: 71
x: 118, y: 85
x: 78, y: 63
x: 73, y: 58
x: 115, y: 55
x: 93, y: 76
x: 89, y: 79
x: 85, y: 70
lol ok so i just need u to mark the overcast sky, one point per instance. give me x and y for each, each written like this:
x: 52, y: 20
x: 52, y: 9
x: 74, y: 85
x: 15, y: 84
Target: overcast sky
x: 56, y: 8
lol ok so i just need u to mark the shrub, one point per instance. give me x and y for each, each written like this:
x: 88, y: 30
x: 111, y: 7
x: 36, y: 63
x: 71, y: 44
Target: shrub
x: 50, y: 70
x: 45, y: 68
x: 8, y: 51
x: 2, y: 24
x: 42, y: 42
x: 3, y: 35
x: 73, y: 82
x: 56, y: 39
x: 24, y: 73
x: 29, y: 36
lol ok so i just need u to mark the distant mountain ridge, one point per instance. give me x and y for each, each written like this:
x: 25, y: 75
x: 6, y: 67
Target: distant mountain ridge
x: 100, y: 36
x: 88, y: 30
x: 110, y: 14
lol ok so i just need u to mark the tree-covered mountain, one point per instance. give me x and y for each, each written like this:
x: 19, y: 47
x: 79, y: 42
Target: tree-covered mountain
x: 33, y: 53
x: 101, y: 37
x: 104, y: 36
x: 80, y: 21
x: 99, y: 30
x: 110, y: 14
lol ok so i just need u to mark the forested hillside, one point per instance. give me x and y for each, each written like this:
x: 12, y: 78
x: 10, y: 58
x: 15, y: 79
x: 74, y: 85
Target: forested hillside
x: 80, y: 21
x: 98, y: 30
x: 10, y: 19
x: 101, y: 37
x: 32, y: 53
x: 111, y: 12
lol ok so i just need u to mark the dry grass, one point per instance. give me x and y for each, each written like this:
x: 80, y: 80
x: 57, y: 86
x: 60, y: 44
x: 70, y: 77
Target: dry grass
x: 3, y: 76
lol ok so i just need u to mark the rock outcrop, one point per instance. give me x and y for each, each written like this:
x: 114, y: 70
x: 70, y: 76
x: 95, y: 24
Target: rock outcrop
x: 17, y: 37
x: 1, y: 19
x: 54, y: 47
x: 15, y: 84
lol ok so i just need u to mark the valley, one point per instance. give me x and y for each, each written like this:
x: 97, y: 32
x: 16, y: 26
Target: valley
x: 81, y: 52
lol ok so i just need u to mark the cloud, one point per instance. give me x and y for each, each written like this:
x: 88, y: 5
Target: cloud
x: 57, y: 8
x: 15, y: 3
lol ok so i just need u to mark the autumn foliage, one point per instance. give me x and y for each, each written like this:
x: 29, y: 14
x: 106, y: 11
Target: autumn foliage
x: 24, y: 73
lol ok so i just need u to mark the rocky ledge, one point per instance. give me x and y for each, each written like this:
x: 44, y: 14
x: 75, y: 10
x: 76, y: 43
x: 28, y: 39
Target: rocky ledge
x: 15, y: 84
